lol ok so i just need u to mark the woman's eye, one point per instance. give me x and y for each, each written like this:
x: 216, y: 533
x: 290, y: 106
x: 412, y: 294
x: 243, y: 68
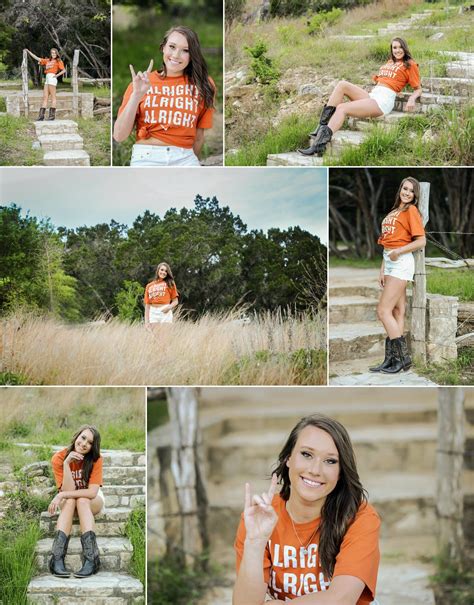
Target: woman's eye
x: 332, y: 461
x: 306, y: 454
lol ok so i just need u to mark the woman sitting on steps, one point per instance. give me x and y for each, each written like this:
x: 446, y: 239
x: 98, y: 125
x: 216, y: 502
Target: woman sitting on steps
x: 392, y: 78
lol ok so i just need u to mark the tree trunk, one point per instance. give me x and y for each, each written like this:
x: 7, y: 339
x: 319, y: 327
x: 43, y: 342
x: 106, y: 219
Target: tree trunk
x: 450, y: 459
x: 186, y: 468
x: 24, y: 81
x: 418, y: 314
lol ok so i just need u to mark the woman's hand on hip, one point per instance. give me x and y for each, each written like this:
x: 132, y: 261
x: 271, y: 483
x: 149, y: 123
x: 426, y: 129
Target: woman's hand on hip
x: 394, y: 255
x: 259, y: 515
x: 53, y: 507
x: 141, y: 80
x: 381, y: 279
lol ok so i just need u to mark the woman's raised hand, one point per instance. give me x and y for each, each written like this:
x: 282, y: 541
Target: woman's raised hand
x: 73, y: 456
x: 259, y: 515
x: 141, y: 80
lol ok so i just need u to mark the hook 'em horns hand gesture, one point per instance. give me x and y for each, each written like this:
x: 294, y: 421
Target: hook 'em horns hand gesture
x: 141, y: 80
x: 259, y: 515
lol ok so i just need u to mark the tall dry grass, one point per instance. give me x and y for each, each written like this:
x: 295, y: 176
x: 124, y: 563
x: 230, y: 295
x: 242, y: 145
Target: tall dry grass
x: 215, y: 349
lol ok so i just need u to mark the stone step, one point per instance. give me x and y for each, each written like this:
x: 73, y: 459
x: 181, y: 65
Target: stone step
x: 353, y: 290
x: 377, y: 447
x: 104, y: 588
x: 384, y: 121
x: 115, y: 554
x: 55, y: 127
x: 293, y: 158
x: 460, y: 69
x: 77, y: 157
x: 463, y: 87
x: 342, y: 139
x: 124, y: 495
x: 414, y: 589
x: 360, y: 339
x: 109, y: 523
x: 349, y: 309
x: 429, y: 102
x: 111, y: 457
x: 61, y: 142
x: 124, y: 475
x: 402, y: 379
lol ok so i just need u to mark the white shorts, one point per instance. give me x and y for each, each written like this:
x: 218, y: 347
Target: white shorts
x: 158, y: 155
x: 158, y: 317
x: 51, y: 80
x: 384, y: 97
x: 403, y: 268
x: 100, y: 494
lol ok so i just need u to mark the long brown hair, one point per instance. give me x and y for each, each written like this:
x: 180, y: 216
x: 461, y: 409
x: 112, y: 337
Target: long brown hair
x: 92, y: 456
x: 169, y: 279
x: 416, y: 195
x: 196, y: 70
x: 58, y: 56
x: 342, y: 504
x: 407, y: 56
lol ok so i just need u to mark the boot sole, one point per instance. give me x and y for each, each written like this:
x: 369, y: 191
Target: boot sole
x: 92, y: 574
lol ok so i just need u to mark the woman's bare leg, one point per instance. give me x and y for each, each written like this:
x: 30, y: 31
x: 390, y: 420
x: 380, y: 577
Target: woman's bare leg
x: 44, y: 103
x: 362, y: 108
x: 389, y: 298
x: 52, y: 92
x: 399, y: 311
x: 86, y: 509
x: 346, y: 89
x: 68, y: 508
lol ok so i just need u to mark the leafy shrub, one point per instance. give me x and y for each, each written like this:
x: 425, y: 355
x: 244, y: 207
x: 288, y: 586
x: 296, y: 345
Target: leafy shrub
x: 320, y: 21
x: 262, y: 66
x: 128, y: 301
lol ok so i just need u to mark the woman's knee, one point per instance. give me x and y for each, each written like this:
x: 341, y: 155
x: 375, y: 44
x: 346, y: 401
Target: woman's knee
x: 383, y: 312
x: 83, y: 503
x: 69, y: 505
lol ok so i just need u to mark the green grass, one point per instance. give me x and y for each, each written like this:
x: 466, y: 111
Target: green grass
x: 356, y: 263
x: 135, y: 529
x: 10, y: 378
x: 288, y: 135
x: 17, y: 137
x: 18, y: 457
x: 459, y: 371
x: 451, y: 282
x: 453, y: 585
x: 96, y: 135
x: 157, y: 413
x: 140, y: 43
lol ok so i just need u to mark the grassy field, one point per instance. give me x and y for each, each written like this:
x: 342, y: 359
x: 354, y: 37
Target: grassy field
x: 140, y: 42
x: 272, y: 349
x: 444, y: 138
x: 50, y: 416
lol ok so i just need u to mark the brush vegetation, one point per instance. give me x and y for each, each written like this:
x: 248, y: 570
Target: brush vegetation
x: 218, y: 348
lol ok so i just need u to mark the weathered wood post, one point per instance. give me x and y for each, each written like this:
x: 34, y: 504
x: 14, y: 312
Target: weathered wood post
x: 75, y: 83
x: 450, y: 460
x: 186, y: 470
x: 24, y: 81
x: 418, y: 313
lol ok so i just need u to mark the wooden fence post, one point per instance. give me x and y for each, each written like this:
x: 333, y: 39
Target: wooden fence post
x: 450, y: 461
x: 24, y: 81
x: 75, y: 83
x: 186, y: 470
x: 418, y: 313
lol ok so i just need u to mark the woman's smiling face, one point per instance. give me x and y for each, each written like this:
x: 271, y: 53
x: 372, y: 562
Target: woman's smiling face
x: 397, y: 50
x: 176, y: 55
x: 162, y: 272
x: 83, y: 443
x: 407, y: 193
x: 313, y: 466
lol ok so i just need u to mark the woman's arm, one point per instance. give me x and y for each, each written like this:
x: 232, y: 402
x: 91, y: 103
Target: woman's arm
x: 68, y: 481
x: 382, y: 274
x: 412, y: 98
x: 126, y: 120
x: 171, y: 305
x: 343, y: 590
x: 60, y: 73
x: 33, y: 55
x: 147, y: 314
x: 91, y: 492
x: 418, y: 243
x: 199, y: 141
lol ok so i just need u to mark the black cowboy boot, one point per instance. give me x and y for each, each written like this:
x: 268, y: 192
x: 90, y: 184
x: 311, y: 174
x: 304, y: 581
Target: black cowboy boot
x: 52, y: 113
x: 388, y: 357
x: 326, y: 115
x: 42, y: 111
x: 319, y: 144
x: 58, y: 552
x: 90, y: 555
x: 401, y: 359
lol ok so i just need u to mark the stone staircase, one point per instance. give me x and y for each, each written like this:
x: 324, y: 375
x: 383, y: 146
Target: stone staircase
x: 124, y: 489
x: 356, y: 336
x: 16, y: 106
x: 395, y: 440
x: 61, y: 142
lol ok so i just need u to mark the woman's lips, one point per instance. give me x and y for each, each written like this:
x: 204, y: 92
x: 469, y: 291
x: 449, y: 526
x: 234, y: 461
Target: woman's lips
x: 311, y: 483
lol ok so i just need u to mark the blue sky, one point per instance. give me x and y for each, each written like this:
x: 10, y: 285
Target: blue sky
x: 263, y: 197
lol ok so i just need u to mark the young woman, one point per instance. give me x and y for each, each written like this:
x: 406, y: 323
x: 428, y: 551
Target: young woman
x: 161, y: 296
x: 392, y: 78
x: 170, y: 108
x: 78, y: 474
x: 402, y: 234
x: 316, y: 541
x: 53, y: 68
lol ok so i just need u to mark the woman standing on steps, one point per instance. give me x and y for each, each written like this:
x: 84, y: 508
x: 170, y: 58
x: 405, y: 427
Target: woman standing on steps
x: 399, y: 71
x: 170, y: 108
x: 78, y: 474
x: 402, y: 233
x: 53, y: 68
x: 161, y: 296
x: 316, y: 541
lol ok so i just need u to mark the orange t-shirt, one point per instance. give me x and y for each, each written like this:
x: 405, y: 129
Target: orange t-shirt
x: 158, y: 292
x: 399, y: 228
x: 291, y: 573
x: 52, y: 66
x: 396, y: 76
x: 76, y: 469
x: 171, y: 111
